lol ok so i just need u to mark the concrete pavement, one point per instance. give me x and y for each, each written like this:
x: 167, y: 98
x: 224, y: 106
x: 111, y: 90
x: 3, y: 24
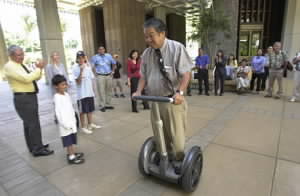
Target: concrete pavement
x: 250, y: 148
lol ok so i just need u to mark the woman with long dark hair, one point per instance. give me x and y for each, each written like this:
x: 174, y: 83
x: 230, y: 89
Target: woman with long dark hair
x: 220, y: 72
x: 133, y: 71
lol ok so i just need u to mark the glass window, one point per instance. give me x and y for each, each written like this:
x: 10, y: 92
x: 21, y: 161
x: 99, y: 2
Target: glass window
x: 244, y: 44
x: 255, y: 42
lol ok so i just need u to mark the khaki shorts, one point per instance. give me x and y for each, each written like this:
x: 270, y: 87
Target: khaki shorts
x: 117, y: 82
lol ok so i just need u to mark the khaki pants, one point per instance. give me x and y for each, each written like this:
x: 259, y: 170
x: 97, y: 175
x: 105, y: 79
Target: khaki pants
x: 174, y: 119
x: 275, y: 75
x: 296, y: 92
x: 104, y: 85
x: 117, y: 83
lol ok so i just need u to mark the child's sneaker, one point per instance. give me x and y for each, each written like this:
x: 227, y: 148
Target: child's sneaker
x: 77, y: 154
x: 86, y: 131
x: 76, y: 160
x: 122, y: 95
x: 94, y: 126
x: 116, y: 96
x: 293, y: 99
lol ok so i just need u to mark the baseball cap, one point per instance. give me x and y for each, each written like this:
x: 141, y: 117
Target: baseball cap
x: 80, y: 53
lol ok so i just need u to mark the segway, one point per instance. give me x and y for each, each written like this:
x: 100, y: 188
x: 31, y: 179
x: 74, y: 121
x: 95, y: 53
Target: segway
x: 163, y: 165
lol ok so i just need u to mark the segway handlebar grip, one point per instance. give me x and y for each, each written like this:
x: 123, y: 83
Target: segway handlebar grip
x: 154, y: 99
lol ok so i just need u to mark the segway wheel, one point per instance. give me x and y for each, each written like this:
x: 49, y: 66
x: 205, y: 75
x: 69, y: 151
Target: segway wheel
x: 144, y: 156
x: 192, y: 173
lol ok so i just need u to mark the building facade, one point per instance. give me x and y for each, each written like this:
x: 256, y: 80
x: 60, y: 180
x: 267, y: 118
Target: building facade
x: 117, y: 24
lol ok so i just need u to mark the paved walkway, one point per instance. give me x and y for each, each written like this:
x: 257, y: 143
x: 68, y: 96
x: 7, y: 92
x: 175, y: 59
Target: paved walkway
x: 250, y: 148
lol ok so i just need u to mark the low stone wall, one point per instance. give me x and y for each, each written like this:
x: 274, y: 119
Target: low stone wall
x: 229, y: 85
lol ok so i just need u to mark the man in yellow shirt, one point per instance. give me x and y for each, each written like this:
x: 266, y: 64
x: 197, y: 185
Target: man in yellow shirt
x: 25, y: 89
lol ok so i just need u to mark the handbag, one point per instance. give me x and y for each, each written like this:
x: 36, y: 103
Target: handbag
x: 196, y: 75
x: 287, y: 67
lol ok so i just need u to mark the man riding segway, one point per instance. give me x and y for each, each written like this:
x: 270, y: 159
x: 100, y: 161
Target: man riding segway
x: 165, y: 73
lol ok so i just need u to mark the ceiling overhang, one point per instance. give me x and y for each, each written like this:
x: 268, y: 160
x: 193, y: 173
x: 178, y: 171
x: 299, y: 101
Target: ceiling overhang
x: 189, y: 8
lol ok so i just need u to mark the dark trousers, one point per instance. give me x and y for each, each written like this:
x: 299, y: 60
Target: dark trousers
x: 264, y: 79
x: 203, y: 75
x: 133, y: 87
x: 259, y: 77
x: 189, y: 89
x: 219, y: 80
x: 28, y: 110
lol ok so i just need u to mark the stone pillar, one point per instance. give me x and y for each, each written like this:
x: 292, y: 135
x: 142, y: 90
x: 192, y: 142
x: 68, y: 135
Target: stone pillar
x: 123, y: 21
x: 231, y: 9
x: 176, y: 28
x: 291, y: 28
x: 3, y: 53
x: 88, y: 30
x: 161, y: 13
x: 49, y: 29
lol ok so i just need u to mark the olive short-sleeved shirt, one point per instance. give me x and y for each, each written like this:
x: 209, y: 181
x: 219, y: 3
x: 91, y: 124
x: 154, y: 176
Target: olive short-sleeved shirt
x: 277, y: 60
x: 176, y: 62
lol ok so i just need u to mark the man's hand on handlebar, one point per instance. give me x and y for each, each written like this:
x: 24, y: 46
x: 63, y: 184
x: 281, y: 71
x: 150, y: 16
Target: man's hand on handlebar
x: 178, y: 99
x: 136, y: 94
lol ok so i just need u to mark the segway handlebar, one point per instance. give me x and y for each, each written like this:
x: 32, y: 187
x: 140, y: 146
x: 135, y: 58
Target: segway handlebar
x: 154, y: 98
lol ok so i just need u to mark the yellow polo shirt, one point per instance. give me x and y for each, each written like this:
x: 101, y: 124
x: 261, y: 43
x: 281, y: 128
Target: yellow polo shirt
x: 18, y: 79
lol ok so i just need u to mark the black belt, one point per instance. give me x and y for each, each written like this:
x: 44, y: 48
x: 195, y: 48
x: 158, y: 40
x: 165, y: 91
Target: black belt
x: 104, y: 74
x: 24, y: 93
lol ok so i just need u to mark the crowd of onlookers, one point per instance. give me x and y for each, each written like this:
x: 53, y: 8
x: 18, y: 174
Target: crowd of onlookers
x: 100, y: 77
x: 163, y: 70
x: 249, y: 75
x: 74, y: 99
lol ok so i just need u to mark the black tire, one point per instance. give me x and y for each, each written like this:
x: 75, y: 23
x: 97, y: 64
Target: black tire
x: 192, y: 173
x: 150, y: 141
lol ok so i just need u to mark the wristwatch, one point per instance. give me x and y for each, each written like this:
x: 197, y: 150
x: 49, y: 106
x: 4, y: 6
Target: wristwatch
x: 180, y: 92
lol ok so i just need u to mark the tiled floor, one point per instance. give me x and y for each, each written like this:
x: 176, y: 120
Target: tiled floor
x: 250, y: 148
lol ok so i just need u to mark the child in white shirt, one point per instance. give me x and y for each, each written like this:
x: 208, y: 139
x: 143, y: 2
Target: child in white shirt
x: 84, y: 77
x: 65, y: 114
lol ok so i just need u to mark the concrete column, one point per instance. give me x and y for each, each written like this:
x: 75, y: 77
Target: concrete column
x: 49, y: 29
x: 231, y: 9
x: 88, y: 29
x: 3, y: 53
x: 161, y: 13
x: 291, y: 28
x: 123, y: 22
x: 176, y: 28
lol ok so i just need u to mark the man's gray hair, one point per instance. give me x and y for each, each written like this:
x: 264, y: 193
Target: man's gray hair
x: 12, y: 49
x: 157, y: 24
x: 276, y: 43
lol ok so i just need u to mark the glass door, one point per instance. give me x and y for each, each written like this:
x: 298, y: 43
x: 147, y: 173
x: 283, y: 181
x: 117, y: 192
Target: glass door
x: 255, y: 42
x: 250, y: 41
x: 244, y: 44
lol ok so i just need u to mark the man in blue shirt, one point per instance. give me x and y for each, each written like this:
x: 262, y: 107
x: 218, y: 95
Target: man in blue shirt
x: 104, y: 66
x: 202, y: 62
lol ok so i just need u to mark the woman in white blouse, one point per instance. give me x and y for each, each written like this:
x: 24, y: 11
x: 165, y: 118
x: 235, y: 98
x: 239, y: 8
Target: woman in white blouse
x: 242, y: 80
